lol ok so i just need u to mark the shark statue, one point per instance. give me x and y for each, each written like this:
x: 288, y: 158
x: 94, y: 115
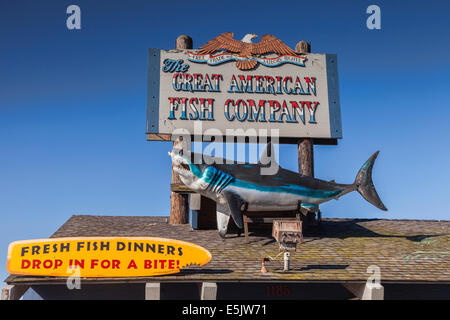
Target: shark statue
x: 238, y: 187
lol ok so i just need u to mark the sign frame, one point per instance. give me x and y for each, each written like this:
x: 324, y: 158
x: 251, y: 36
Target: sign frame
x: 155, y: 133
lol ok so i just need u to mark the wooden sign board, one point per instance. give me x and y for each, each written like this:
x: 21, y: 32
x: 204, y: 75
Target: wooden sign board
x: 103, y: 257
x: 298, y: 95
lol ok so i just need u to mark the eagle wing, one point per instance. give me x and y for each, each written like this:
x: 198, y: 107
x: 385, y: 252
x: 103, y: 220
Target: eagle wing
x: 270, y: 43
x: 224, y: 41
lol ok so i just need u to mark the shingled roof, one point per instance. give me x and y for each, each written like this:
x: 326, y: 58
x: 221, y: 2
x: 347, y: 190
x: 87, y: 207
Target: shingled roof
x: 339, y: 251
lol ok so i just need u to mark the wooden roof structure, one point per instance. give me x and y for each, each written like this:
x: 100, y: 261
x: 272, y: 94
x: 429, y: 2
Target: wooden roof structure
x: 341, y: 250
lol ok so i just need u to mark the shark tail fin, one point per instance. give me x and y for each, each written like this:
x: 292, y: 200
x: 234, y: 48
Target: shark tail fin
x: 364, y: 185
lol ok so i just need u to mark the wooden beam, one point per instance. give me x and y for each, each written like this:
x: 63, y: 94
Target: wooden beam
x: 282, y: 140
x: 366, y: 290
x: 159, y: 137
x: 306, y: 157
x: 209, y: 291
x: 180, y: 188
x: 179, y: 202
x: 13, y: 292
x: 305, y: 145
x: 153, y: 291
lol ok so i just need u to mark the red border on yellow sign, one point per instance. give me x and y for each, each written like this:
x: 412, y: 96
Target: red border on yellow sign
x: 103, y: 256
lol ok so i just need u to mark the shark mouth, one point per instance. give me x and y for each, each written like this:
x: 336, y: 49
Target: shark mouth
x: 179, y: 164
x: 184, y: 166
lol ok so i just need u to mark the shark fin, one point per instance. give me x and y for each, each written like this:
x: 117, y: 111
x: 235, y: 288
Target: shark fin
x: 268, y: 156
x: 364, y: 185
x: 223, y: 217
x: 234, y: 204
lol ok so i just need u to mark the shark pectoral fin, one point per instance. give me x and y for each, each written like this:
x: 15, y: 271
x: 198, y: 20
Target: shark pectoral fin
x: 223, y: 218
x: 235, y: 204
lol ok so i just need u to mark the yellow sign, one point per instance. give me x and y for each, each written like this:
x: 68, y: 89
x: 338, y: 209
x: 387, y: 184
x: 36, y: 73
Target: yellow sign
x: 103, y: 257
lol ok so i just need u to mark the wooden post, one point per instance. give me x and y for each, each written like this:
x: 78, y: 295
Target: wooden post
x: 179, y: 202
x: 14, y: 292
x: 306, y: 157
x: 305, y: 145
x: 209, y: 291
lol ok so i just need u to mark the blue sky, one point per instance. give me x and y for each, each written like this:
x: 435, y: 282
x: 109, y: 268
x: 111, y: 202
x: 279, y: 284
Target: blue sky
x: 72, y: 104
